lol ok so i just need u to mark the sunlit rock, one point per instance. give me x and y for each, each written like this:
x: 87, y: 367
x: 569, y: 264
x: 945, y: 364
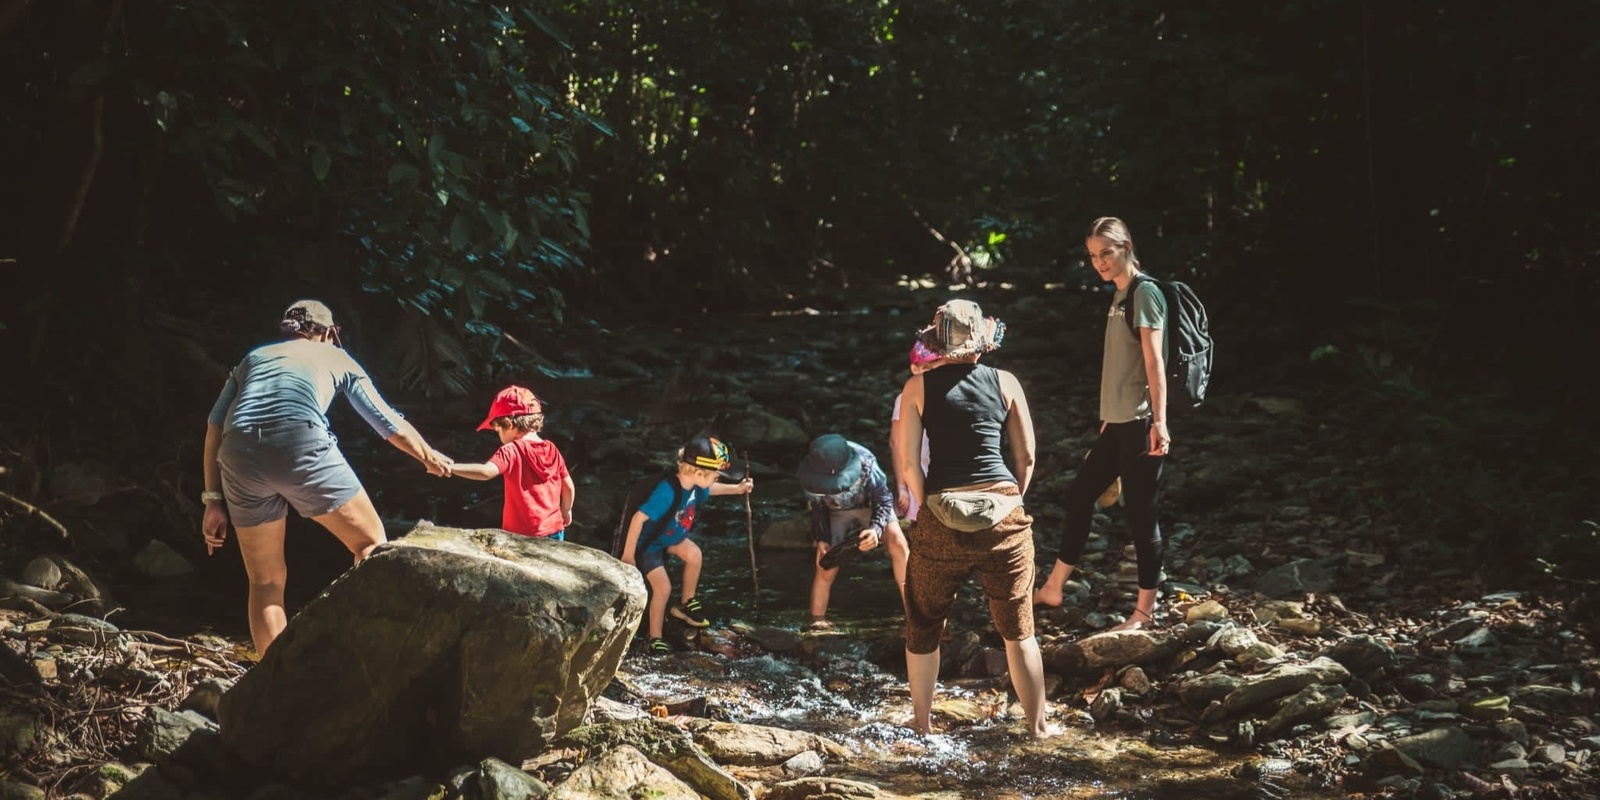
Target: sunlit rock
x: 1233, y: 640
x: 622, y: 773
x: 442, y: 648
x: 1281, y: 681
x: 665, y: 745
x: 807, y: 788
x: 1208, y: 610
x: 1110, y: 649
x: 759, y: 745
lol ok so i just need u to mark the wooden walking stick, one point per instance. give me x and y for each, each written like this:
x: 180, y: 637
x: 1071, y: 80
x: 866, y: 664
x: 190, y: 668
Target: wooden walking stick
x: 750, y: 533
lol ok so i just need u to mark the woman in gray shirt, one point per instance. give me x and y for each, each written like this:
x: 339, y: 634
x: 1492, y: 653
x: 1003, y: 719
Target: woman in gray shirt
x: 268, y: 447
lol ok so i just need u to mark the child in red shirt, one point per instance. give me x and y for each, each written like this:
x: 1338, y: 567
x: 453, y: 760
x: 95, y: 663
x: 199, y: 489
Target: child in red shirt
x: 538, y: 487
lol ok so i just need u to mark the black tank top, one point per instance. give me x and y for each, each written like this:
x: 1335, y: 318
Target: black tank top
x: 963, y: 413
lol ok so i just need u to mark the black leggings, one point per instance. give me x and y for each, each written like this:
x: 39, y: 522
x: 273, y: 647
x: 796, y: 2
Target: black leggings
x: 1123, y: 450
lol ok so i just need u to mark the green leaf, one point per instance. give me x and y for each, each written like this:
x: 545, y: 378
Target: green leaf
x: 521, y: 125
x: 404, y: 174
x: 254, y: 135
x: 461, y: 234
x: 435, y: 150
x: 320, y: 162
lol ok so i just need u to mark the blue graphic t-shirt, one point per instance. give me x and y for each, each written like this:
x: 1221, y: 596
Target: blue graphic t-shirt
x: 678, y: 529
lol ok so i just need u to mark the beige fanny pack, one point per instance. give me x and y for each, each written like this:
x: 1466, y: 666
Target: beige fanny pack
x: 971, y: 511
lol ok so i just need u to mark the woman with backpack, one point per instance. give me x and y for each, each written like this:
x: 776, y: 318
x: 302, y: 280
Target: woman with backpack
x: 1134, y: 440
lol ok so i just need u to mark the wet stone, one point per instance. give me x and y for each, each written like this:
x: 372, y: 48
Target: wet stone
x: 1106, y: 704
x: 1552, y: 752
x: 774, y: 640
x: 1508, y: 751
x: 1135, y: 681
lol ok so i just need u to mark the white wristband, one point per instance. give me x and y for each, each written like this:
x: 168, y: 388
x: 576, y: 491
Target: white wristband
x: 210, y: 497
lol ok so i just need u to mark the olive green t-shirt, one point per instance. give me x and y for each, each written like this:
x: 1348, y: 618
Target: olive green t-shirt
x: 1124, y: 391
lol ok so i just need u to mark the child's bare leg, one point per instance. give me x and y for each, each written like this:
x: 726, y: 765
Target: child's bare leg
x: 689, y: 552
x: 899, y: 553
x: 821, y: 586
x: 659, y: 587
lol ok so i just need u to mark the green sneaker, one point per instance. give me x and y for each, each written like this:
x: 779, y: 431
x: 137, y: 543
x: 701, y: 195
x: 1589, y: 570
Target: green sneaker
x: 690, y: 612
x: 659, y: 647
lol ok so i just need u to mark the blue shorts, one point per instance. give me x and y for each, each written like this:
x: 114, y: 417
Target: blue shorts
x: 651, y: 559
x: 267, y: 468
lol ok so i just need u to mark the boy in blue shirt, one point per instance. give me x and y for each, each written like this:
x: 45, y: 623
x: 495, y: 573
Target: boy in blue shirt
x: 700, y: 463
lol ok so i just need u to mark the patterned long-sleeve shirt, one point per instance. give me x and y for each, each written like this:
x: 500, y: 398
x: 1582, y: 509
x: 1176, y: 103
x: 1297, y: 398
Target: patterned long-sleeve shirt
x: 871, y: 490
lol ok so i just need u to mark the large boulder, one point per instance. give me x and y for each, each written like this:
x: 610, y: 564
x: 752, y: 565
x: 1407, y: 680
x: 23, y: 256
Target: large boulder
x: 443, y: 647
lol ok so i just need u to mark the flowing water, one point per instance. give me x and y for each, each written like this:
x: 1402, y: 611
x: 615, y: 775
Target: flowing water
x: 836, y: 687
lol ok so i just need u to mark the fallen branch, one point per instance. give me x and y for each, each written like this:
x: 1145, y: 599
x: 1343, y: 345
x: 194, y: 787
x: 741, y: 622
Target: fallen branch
x: 31, y: 510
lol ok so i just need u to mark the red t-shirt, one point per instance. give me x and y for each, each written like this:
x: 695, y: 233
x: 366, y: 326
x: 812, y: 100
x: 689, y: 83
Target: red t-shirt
x: 534, y: 473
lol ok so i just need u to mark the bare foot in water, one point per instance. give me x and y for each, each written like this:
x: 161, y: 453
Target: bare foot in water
x: 1138, y: 619
x: 1044, y: 597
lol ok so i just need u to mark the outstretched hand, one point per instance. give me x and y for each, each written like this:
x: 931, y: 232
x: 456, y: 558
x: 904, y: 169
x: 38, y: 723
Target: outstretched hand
x: 214, y: 526
x: 437, y: 463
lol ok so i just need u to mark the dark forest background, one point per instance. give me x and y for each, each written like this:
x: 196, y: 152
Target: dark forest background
x: 1390, y: 204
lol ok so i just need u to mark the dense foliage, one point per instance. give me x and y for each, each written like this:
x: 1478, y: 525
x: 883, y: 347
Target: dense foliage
x: 1395, y: 188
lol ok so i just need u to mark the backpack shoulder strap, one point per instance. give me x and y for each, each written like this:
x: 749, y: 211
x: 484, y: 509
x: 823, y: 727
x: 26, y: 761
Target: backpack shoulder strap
x: 1127, y: 301
x: 680, y: 496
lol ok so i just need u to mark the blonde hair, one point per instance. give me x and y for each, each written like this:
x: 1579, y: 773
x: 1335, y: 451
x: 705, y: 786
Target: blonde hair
x: 527, y: 423
x: 1116, y: 232
x: 685, y: 467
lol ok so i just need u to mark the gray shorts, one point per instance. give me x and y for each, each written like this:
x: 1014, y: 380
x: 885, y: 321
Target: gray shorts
x: 267, y: 468
x: 845, y: 524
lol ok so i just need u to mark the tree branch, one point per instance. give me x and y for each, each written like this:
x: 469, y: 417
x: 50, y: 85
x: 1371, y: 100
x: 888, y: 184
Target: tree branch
x: 98, y: 146
x: 33, y: 510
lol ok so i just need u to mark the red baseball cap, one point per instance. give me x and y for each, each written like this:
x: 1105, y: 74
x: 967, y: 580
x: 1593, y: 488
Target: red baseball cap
x: 512, y: 401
